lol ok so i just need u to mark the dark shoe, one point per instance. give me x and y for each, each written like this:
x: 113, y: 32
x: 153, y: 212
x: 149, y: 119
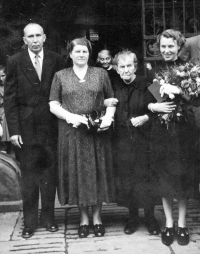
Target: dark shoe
x: 131, y: 226
x: 152, y: 226
x: 83, y: 231
x: 52, y: 227
x: 182, y: 236
x: 27, y: 232
x: 99, y: 230
x: 168, y: 235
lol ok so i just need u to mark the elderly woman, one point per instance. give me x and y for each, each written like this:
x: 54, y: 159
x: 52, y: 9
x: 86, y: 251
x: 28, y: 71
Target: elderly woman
x: 172, y: 147
x: 85, y: 157
x: 134, y: 180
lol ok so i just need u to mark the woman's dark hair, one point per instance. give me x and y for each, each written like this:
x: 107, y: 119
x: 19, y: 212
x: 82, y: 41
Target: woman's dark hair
x: 175, y: 35
x: 3, y: 68
x: 79, y: 41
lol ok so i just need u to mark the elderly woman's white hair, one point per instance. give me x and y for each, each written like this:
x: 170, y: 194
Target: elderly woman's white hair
x: 123, y: 54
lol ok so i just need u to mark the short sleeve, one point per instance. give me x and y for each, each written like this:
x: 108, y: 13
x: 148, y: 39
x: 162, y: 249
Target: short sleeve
x: 56, y: 89
x: 107, y: 87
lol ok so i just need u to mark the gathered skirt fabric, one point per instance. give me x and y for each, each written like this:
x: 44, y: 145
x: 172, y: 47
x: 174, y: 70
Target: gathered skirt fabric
x: 86, y: 167
x: 135, y: 182
x: 173, y: 157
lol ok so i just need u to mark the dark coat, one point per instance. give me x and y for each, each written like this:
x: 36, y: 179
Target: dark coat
x: 26, y: 97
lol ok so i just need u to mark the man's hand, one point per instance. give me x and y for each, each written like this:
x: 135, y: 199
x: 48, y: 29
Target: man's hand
x: 16, y: 140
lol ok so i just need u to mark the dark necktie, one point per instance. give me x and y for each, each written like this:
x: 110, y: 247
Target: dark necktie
x: 38, y: 66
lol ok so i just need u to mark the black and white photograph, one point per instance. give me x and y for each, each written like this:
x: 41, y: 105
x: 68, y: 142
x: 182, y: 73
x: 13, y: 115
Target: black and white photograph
x: 100, y: 126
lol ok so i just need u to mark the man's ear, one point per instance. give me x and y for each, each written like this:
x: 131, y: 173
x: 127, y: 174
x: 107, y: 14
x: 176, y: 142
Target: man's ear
x: 24, y: 39
x: 44, y: 37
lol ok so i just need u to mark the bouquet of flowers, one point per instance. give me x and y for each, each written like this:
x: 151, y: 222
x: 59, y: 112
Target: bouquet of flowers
x: 187, y: 78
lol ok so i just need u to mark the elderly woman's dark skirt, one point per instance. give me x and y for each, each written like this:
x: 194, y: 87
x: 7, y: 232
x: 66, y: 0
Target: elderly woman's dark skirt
x: 135, y: 182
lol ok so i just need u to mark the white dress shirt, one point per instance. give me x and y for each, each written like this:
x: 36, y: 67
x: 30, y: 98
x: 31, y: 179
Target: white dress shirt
x: 40, y: 58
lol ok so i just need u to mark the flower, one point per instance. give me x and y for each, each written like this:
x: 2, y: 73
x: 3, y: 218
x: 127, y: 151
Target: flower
x: 185, y: 76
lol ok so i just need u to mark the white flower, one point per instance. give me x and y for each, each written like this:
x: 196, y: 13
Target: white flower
x: 171, y: 96
x: 162, y: 82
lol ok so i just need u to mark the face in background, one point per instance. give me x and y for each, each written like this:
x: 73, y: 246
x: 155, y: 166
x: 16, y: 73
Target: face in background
x: 34, y: 37
x: 80, y: 55
x: 126, y: 67
x: 2, y: 77
x: 105, y: 59
x: 169, y: 48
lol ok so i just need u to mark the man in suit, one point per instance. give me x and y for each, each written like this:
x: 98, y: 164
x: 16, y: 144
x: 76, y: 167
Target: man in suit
x: 191, y: 49
x: 33, y: 129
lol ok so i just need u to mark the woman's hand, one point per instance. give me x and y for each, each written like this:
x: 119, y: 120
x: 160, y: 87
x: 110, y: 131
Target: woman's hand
x: 169, y: 89
x: 163, y: 107
x: 76, y: 120
x: 16, y: 140
x: 111, y: 102
x: 139, y: 120
x: 106, y: 123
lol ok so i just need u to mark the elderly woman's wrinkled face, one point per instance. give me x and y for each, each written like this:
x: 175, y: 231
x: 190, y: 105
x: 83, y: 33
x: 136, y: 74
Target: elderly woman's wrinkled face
x: 126, y: 67
x: 169, y: 48
x: 2, y: 77
x: 80, y: 55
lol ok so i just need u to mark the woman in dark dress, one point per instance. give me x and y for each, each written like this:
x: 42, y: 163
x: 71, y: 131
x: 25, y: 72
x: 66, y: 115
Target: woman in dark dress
x: 172, y: 147
x: 85, y: 158
x: 134, y: 181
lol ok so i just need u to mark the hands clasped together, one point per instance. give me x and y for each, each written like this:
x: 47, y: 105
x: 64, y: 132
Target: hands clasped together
x: 77, y: 120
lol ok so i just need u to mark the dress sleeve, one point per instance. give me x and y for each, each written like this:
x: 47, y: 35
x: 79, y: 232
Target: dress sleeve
x: 56, y: 89
x: 107, y: 87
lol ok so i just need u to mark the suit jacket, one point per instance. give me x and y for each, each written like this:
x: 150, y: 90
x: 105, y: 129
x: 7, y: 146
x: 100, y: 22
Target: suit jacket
x: 191, y: 49
x: 27, y: 98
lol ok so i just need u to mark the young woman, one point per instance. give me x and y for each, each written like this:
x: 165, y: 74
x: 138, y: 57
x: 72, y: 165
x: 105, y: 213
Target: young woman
x: 172, y: 147
x: 85, y: 158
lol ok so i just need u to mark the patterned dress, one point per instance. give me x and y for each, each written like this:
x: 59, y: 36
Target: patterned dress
x: 85, y: 159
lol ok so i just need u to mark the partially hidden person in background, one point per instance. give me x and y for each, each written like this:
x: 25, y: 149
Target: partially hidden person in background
x: 136, y: 183
x: 172, y: 150
x: 85, y: 157
x: 5, y: 144
x: 32, y: 127
x: 105, y: 61
x: 190, y: 51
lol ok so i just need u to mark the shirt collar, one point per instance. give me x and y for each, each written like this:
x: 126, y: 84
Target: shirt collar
x: 109, y: 68
x: 132, y: 84
x: 32, y: 55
